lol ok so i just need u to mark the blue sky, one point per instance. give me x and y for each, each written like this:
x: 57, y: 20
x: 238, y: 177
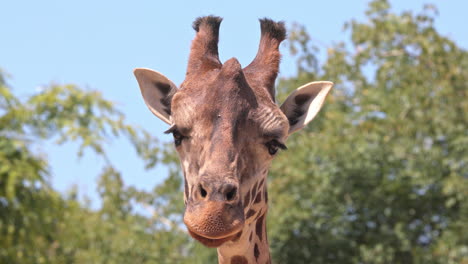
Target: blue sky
x: 96, y: 44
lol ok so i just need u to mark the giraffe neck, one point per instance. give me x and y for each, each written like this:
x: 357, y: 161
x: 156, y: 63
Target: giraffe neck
x: 250, y: 247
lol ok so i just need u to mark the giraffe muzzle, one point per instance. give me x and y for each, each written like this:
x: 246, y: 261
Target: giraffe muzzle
x: 214, y: 222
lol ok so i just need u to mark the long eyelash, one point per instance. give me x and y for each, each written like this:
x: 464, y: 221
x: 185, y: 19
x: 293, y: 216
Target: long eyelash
x: 281, y: 145
x: 171, y: 129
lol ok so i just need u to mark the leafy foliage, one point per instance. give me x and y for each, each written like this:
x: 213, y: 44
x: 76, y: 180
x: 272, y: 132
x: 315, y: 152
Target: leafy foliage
x: 381, y: 176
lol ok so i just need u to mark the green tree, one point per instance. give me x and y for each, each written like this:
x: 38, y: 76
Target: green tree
x: 381, y: 175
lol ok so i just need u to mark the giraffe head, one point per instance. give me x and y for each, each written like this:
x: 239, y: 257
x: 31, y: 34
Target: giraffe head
x: 227, y: 128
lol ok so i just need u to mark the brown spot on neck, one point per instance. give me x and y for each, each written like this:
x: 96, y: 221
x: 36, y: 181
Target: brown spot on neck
x: 250, y: 213
x: 239, y: 260
x: 261, y: 183
x: 256, y: 252
x: 247, y: 199
x: 258, y: 198
x: 259, y: 227
x: 259, y: 214
x: 254, y: 189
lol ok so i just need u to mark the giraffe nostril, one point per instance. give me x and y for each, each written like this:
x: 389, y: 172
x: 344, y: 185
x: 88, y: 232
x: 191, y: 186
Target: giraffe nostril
x: 203, y: 192
x: 231, y: 193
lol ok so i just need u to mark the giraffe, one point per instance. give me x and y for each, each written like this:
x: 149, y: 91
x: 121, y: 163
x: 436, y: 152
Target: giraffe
x: 227, y: 129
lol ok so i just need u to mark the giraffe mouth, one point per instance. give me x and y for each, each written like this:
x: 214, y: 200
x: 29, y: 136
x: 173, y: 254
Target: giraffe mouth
x: 213, y: 223
x: 211, y: 242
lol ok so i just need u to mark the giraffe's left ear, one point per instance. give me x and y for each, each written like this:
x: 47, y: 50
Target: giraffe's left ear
x: 157, y: 91
x: 303, y: 104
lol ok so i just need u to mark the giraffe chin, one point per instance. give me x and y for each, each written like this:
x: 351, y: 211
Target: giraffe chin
x: 211, y: 242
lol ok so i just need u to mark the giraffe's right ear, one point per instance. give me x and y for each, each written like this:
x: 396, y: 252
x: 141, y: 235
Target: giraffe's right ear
x: 303, y: 104
x: 157, y: 91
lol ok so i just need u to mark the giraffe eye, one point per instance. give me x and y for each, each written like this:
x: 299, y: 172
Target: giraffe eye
x: 274, y: 145
x: 177, y: 137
